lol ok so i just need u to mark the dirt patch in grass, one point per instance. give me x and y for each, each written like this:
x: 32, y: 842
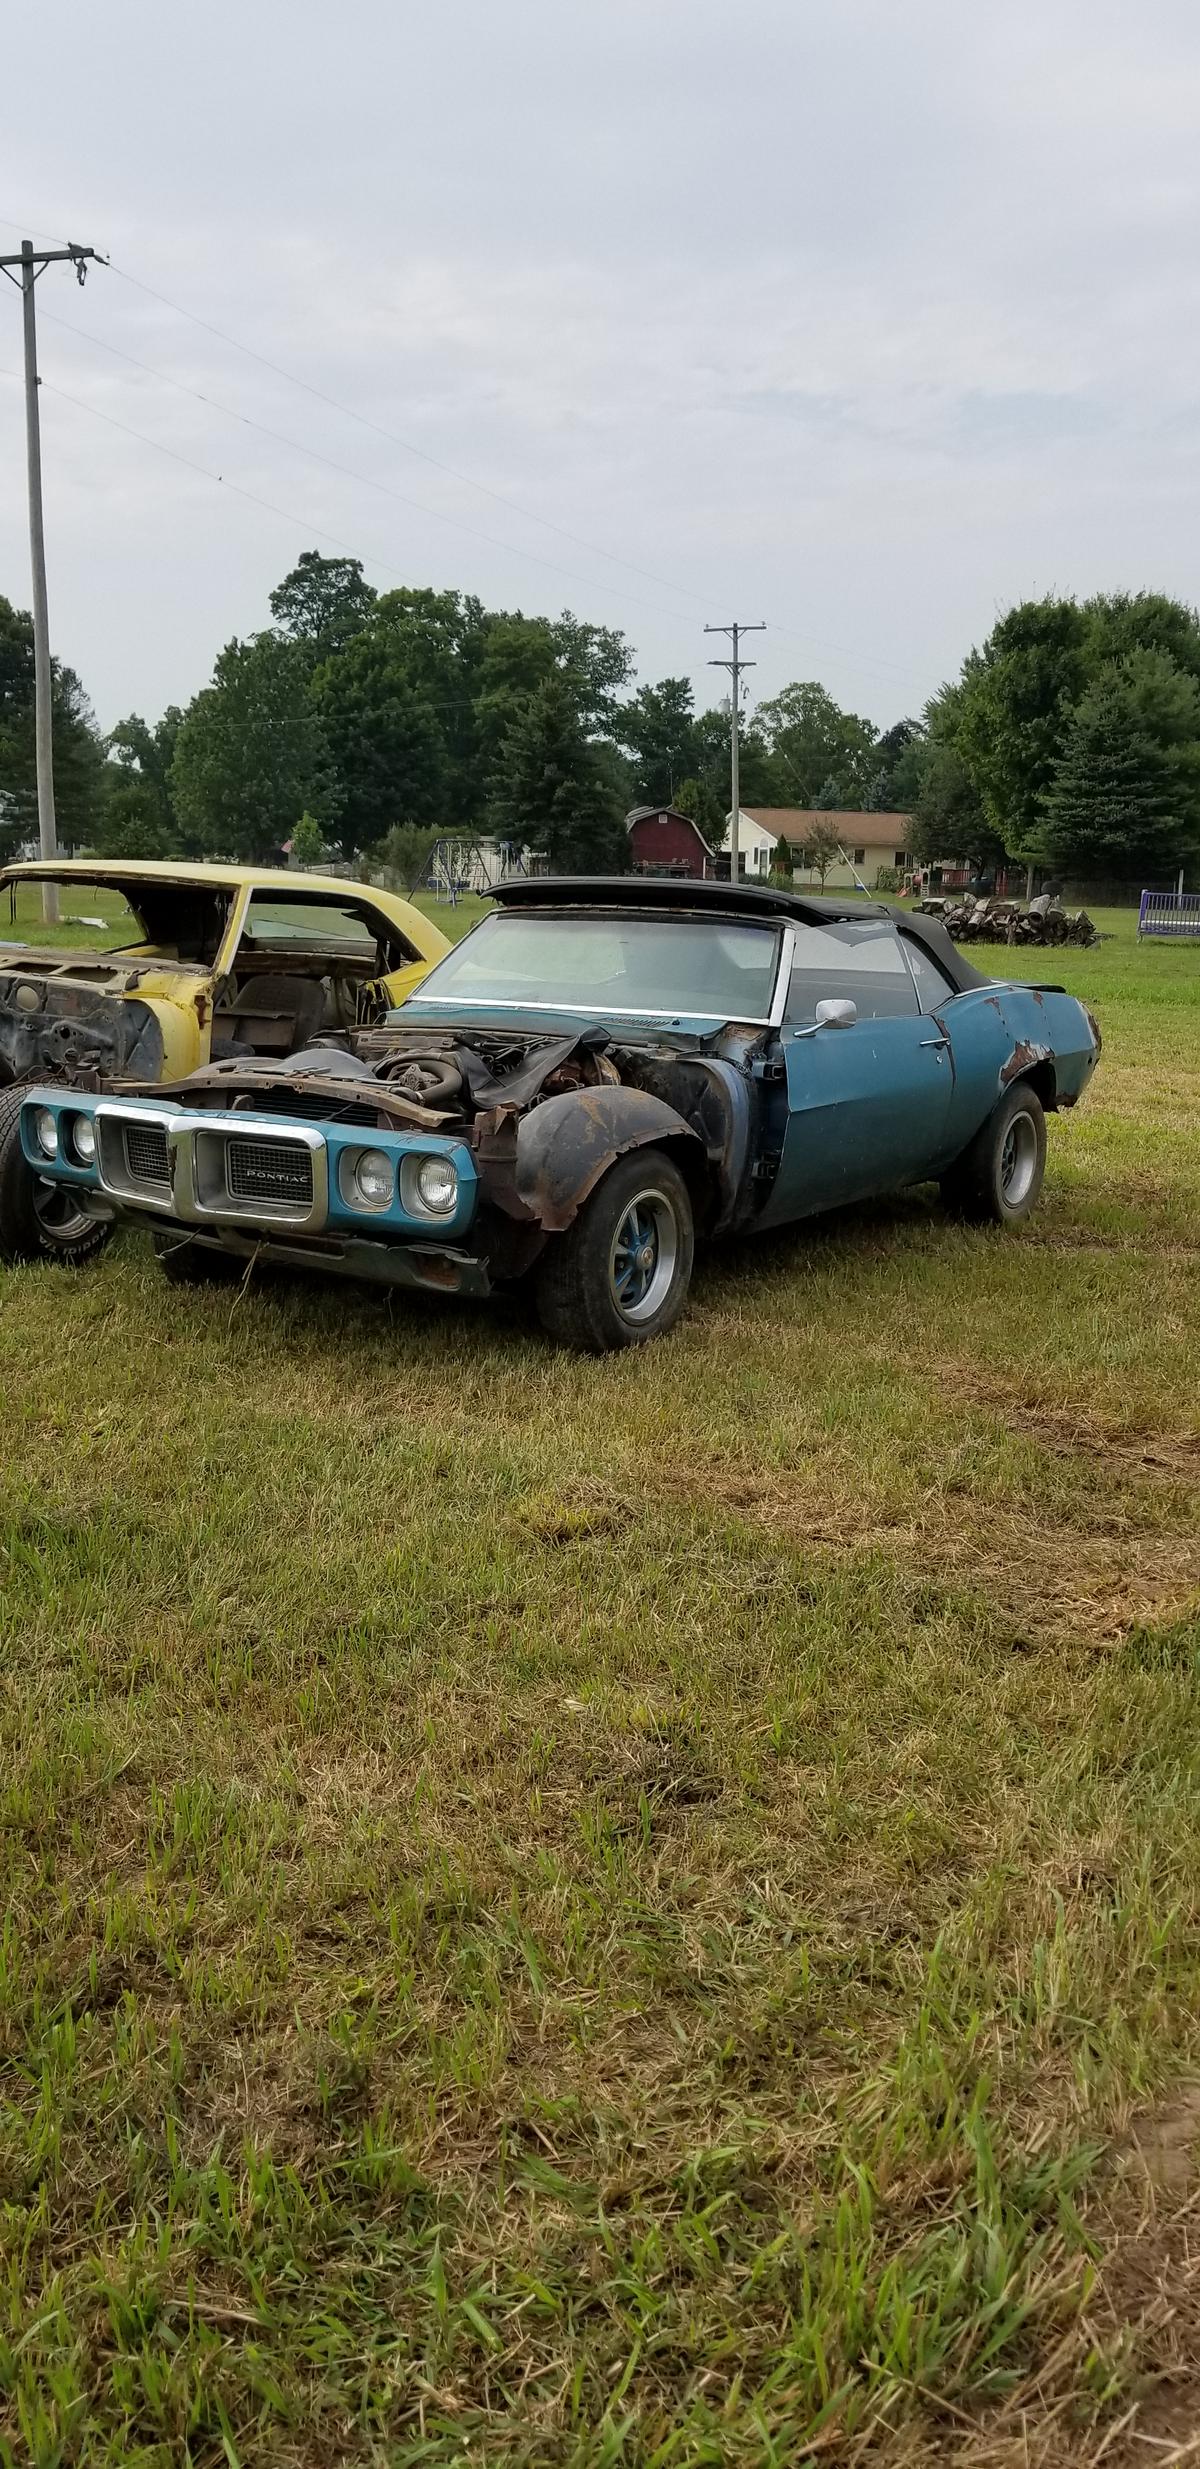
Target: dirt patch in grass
x: 1050, y: 1584
x: 1077, y: 1428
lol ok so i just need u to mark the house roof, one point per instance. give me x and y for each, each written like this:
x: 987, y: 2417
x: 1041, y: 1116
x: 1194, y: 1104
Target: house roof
x: 873, y: 831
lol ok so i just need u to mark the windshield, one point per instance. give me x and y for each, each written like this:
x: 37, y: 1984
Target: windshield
x: 665, y: 966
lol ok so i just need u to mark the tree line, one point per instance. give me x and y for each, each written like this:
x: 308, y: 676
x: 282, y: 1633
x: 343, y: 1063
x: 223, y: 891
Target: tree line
x: 361, y: 725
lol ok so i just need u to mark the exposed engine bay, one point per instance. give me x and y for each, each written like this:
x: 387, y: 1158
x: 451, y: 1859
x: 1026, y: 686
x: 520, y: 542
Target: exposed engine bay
x: 489, y: 1085
x: 90, y: 1017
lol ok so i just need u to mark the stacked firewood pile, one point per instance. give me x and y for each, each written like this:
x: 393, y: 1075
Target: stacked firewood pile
x: 1009, y: 921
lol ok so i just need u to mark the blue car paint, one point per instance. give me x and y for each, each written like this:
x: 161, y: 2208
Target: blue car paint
x: 866, y: 1106
x: 895, y: 1100
x: 813, y: 1117
x: 339, y: 1139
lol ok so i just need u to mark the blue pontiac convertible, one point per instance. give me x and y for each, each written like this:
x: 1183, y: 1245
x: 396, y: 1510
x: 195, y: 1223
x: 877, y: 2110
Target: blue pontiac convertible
x: 600, y: 1072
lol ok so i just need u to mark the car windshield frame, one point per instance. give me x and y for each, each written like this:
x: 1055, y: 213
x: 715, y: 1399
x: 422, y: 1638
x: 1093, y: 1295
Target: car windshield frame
x: 427, y: 994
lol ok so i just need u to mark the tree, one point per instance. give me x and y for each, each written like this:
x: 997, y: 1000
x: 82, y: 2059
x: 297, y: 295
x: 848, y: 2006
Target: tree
x: 1010, y: 716
x: 549, y: 787
x: 1123, y: 622
x: 821, y: 850
x: 138, y: 784
x: 308, y: 842
x: 322, y: 603
x: 782, y: 861
x: 1118, y: 804
x: 893, y: 783
x: 250, y: 756
x: 131, y: 819
x: 437, y: 640
x: 948, y: 818
x: 828, y: 798
x: 819, y: 745
x: 384, y: 738
x: 763, y: 781
x: 405, y: 854
x: 659, y: 727
x: 699, y: 799
x: 521, y: 654
x: 77, y: 754
x: 1012, y: 711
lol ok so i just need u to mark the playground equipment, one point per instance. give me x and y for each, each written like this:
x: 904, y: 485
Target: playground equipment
x: 458, y: 867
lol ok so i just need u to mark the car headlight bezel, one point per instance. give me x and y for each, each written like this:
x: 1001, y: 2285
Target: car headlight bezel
x: 435, y: 1185
x: 45, y: 1131
x: 368, y: 1179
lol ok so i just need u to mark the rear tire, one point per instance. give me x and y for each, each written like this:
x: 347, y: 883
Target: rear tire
x: 620, y: 1275
x: 195, y: 1264
x: 998, y: 1180
x: 39, y: 1220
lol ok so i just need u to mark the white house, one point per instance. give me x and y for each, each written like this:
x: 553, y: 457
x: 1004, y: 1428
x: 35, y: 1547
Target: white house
x: 872, y: 843
x: 756, y: 845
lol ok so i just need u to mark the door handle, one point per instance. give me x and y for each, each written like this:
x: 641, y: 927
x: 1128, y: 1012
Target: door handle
x: 934, y: 1041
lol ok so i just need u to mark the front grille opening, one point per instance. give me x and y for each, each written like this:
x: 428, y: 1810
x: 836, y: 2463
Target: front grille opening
x: 146, y: 1158
x: 279, y: 1170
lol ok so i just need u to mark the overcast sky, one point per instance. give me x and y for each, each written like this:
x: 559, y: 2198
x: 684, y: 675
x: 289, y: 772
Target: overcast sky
x: 863, y: 316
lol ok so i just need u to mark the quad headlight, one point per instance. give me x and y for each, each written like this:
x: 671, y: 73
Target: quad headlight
x: 83, y: 1139
x: 45, y: 1131
x: 436, y: 1181
x: 373, y: 1179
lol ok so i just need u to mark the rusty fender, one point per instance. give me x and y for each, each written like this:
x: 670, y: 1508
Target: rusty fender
x: 1025, y: 1057
x: 564, y: 1146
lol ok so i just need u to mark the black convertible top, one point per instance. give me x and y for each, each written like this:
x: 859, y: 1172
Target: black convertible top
x: 679, y: 896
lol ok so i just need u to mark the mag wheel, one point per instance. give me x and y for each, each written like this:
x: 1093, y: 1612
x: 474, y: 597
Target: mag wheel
x: 621, y: 1273
x: 997, y: 1181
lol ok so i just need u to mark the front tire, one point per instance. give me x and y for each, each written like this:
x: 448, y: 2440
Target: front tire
x: 998, y: 1180
x: 39, y: 1220
x: 620, y: 1275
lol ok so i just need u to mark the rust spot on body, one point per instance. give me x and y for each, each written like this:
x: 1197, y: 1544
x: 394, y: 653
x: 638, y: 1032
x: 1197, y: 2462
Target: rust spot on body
x: 1023, y: 1058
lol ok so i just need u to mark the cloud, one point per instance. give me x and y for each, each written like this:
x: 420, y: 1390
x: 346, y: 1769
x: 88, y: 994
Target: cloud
x: 864, y: 319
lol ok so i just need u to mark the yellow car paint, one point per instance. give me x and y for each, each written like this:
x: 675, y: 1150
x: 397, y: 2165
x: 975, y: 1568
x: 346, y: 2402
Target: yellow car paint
x: 183, y: 995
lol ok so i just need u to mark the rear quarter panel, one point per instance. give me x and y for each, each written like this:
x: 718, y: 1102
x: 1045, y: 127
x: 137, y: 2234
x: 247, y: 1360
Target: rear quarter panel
x: 1000, y: 1032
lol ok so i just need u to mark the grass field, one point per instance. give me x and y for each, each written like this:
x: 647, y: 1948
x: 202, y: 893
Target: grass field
x: 639, y: 1912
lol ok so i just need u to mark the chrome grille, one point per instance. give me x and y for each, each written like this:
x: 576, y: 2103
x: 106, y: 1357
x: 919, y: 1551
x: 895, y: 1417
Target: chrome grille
x: 146, y: 1158
x: 278, y: 1170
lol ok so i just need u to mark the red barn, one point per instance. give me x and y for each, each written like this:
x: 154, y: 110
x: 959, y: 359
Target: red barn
x: 663, y: 841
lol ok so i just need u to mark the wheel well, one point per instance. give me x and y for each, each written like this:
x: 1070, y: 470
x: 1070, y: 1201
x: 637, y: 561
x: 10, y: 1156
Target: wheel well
x: 693, y: 1165
x: 1041, y: 1079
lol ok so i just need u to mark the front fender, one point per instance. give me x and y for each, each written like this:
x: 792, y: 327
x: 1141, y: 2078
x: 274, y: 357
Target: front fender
x: 567, y: 1143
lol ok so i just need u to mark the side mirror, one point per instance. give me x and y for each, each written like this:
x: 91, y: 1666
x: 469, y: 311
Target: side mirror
x: 837, y: 1014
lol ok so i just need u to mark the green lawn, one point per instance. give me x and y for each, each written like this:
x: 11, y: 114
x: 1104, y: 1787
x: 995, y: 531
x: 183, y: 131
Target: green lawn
x: 586, y: 1913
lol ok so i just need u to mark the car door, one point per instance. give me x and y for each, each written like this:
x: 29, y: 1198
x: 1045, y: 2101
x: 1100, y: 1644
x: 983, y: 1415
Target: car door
x: 866, y: 1105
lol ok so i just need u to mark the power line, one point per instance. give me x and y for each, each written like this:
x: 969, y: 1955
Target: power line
x: 436, y: 462
x: 365, y: 479
x: 299, y: 522
x: 525, y: 513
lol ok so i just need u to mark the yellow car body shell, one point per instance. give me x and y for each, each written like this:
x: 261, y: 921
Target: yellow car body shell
x: 182, y: 995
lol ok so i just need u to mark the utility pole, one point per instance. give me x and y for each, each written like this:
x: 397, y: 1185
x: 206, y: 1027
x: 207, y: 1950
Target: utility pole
x: 735, y: 667
x: 32, y: 262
